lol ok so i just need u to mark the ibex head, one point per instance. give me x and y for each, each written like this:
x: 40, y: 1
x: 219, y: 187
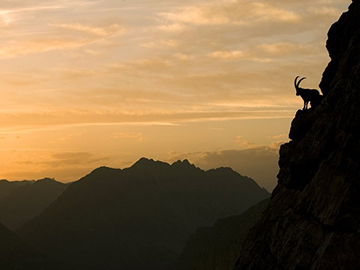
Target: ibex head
x: 297, y: 84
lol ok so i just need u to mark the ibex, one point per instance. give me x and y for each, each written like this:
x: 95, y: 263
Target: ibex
x: 308, y: 95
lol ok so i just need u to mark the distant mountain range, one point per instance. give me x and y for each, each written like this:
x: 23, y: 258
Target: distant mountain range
x: 6, y: 187
x: 138, y: 218
x: 21, y: 201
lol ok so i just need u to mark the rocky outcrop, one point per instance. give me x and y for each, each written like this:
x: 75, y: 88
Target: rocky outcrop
x: 218, y: 247
x: 313, y: 218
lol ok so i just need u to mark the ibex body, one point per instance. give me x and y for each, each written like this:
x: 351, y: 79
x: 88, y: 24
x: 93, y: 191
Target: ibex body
x: 308, y: 95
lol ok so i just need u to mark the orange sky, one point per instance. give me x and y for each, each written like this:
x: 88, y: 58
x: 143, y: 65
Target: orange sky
x: 91, y: 83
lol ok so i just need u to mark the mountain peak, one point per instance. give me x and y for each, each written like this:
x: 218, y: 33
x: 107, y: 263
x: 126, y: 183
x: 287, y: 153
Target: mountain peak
x: 136, y: 215
x: 47, y: 180
x: 184, y: 162
x: 145, y: 162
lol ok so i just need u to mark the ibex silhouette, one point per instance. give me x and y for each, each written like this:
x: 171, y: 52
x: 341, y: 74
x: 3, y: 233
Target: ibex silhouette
x: 308, y: 95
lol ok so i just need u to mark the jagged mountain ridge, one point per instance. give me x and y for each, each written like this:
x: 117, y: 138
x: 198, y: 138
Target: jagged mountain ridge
x: 139, y: 217
x: 313, y: 218
x: 27, y: 199
x: 218, y: 247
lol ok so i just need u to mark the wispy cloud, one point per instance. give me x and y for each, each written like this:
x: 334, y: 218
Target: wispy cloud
x: 129, y: 135
x: 52, y: 120
x: 113, y: 29
x: 154, y: 73
x: 242, y: 12
x: 19, y: 48
x: 243, y: 143
x: 227, y: 54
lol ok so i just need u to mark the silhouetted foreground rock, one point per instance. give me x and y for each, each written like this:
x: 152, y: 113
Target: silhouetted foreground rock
x: 218, y: 247
x: 27, y: 199
x: 313, y: 218
x: 137, y: 218
x: 16, y: 255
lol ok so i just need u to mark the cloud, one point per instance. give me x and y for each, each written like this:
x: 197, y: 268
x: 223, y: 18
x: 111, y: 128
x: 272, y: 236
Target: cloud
x: 19, y: 48
x: 130, y: 135
x: 113, y: 29
x: 280, y: 136
x: 66, y: 138
x: 244, y: 143
x: 259, y: 163
x: 173, y: 27
x: 241, y: 12
x: 40, y: 28
x: 70, y: 159
x: 11, y: 8
x: 227, y: 54
x: 160, y: 44
x: 324, y: 11
x: 59, y: 119
x: 133, y: 67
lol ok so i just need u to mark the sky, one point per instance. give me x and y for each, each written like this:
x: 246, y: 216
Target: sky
x: 103, y: 83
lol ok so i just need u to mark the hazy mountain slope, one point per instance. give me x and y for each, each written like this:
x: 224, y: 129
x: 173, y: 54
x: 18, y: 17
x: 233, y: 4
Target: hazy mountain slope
x: 140, y: 217
x: 27, y: 201
x: 313, y: 218
x: 15, y: 255
x: 218, y: 247
x: 6, y: 187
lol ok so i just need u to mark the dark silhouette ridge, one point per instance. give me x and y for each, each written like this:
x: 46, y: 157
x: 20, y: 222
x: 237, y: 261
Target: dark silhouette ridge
x: 6, y: 187
x: 28, y: 200
x: 137, y: 218
x: 308, y: 95
x: 218, y: 247
x: 313, y: 218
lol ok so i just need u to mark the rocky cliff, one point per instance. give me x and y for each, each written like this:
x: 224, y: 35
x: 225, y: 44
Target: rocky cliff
x: 313, y: 219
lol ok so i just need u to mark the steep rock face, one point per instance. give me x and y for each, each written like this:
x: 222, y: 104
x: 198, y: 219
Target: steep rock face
x: 218, y: 247
x: 28, y: 200
x: 138, y: 218
x: 313, y: 219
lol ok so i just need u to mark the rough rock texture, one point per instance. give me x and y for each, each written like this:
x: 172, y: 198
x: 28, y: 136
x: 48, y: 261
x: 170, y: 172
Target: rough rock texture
x: 218, y: 247
x: 313, y: 219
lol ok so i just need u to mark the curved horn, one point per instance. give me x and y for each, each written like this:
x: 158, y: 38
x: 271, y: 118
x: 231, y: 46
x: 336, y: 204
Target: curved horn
x: 295, y: 82
x: 303, y: 78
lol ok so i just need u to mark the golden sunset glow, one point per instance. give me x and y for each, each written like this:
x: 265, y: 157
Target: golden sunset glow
x: 91, y: 83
